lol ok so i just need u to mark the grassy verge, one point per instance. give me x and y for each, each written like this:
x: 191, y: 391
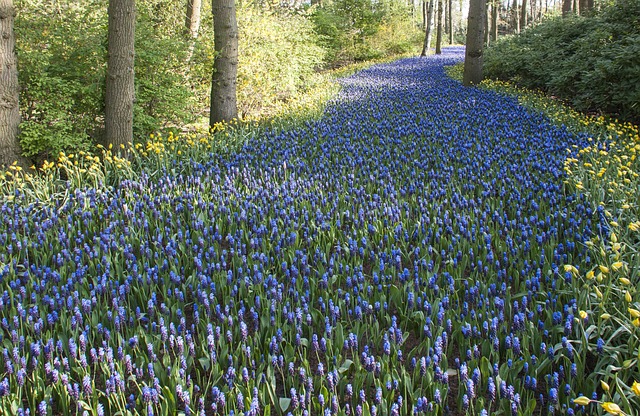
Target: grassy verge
x: 607, y: 172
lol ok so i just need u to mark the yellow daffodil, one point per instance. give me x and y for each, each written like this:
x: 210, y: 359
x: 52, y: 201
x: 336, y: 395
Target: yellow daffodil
x: 627, y: 297
x: 590, y: 275
x: 583, y: 315
x: 604, y: 385
x: 635, y: 388
x: 598, y: 293
x: 625, y: 281
x: 612, y: 408
x: 581, y: 401
x: 605, y: 316
x: 617, y: 265
x: 603, y: 269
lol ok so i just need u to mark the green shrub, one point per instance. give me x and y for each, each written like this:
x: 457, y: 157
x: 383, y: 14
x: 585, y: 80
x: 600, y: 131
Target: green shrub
x: 591, y: 62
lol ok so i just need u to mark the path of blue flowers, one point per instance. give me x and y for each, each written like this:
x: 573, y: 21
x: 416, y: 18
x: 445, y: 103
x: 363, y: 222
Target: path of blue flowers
x: 401, y: 255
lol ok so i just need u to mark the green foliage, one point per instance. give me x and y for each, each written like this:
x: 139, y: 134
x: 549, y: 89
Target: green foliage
x: 359, y: 30
x: 278, y: 56
x: 590, y: 62
x: 162, y: 97
x: 61, y: 74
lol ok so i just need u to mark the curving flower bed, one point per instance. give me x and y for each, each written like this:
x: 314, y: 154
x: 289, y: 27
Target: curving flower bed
x: 403, y: 254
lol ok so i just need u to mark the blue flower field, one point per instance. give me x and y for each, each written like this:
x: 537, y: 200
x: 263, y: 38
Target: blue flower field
x: 402, y: 255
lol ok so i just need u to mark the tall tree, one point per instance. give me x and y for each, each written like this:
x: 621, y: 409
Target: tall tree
x: 567, y: 7
x: 428, y: 30
x: 474, y: 50
x: 523, y: 15
x: 439, y: 30
x: 494, y: 20
x: 225, y: 68
x: 516, y: 16
x: 119, y: 94
x: 192, y: 20
x: 9, y: 89
x: 450, y: 18
x: 487, y: 16
x: 584, y: 7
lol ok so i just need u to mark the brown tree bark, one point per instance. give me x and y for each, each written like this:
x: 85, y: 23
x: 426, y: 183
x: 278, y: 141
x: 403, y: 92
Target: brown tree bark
x: 474, y: 50
x: 439, y: 30
x: 450, y: 18
x: 225, y: 68
x: 494, y: 20
x: 584, y: 7
x: 424, y: 14
x: 428, y: 29
x: 192, y: 20
x: 567, y: 8
x: 119, y: 93
x: 523, y: 15
x: 487, y: 24
x: 9, y: 89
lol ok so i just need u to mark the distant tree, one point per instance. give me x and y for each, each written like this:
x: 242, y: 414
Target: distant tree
x: 584, y: 7
x: 225, y: 68
x: 473, y: 55
x: 450, y: 19
x: 9, y: 89
x: 494, y: 20
x: 192, y: 21
x: 523, y: 14
x: 567, y: 7
x: 515, y: 12
x: 428, y: 30
x: 439, y: 30
x: 119, y: 94
x: 487, y: 27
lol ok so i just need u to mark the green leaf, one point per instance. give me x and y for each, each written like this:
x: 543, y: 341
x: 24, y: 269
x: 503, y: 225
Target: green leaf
x: 284, y: 403
x: 485, y: 368
x: 345, y: 366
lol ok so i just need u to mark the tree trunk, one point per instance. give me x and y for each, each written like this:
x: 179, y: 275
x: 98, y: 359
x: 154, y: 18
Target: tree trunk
x: 584, y: 7
x: 567, y: 8
x: 450, y: 16
x: 428, y: 30
x: 225, y: 67
x: 474, y: 50
x: 486, y: 24
x: 439, y: 32
x: 424, y: 14
x: 494, y: 20
x: 523, y: 15
x: 9, y: 90
x: 192, y: 21
x: 516, y: 16
x: 119, y: 94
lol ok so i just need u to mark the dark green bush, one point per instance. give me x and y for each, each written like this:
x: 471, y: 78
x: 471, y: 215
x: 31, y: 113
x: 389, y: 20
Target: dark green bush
x: 593, y: 62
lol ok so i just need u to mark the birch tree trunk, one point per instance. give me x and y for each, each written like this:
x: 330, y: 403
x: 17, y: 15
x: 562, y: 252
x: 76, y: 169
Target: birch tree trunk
x: 192, y: 21
x: 474, y: 50
x: 9, y: 89
x: 225, y: 68
x: 119, y: 94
